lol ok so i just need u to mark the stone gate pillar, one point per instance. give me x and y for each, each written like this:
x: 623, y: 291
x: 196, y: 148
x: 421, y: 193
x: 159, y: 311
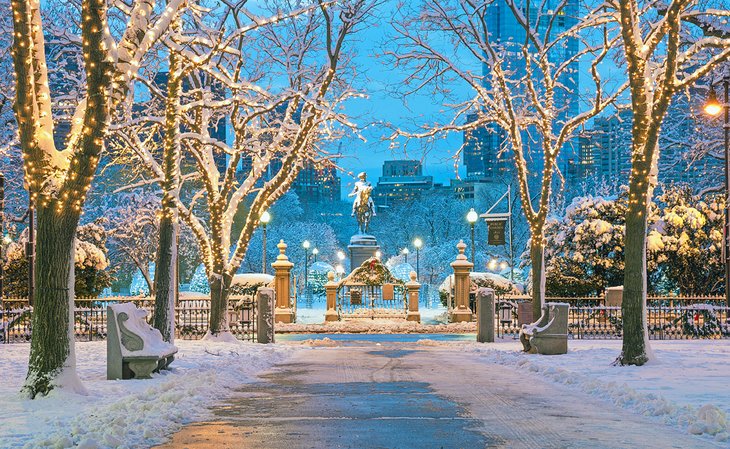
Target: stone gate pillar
x: 413, y: 288
x: 462, y: 267
x: 282, y: 285
x: 330, y: 289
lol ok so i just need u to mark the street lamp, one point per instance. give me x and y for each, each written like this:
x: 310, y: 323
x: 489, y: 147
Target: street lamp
x: 472, y: 218
x: 341, y: 255
x: 265, y: 219
x: 340, y: 271
x: 714, y: 107
x: 315, y: 251
x: 405, y: 253
x: 378, y: 254
x: 418, y: 243
x: 306, y: 245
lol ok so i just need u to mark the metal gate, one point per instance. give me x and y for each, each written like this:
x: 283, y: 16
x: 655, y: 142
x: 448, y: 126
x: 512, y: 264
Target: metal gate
x: 355, y: 300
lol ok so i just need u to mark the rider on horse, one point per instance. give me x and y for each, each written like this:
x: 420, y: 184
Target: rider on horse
x: 363, y: 205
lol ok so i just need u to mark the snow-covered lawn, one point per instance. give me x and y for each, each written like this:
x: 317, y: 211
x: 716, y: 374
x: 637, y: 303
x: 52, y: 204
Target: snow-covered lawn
x: 686, y: 386
x: 125, y: 413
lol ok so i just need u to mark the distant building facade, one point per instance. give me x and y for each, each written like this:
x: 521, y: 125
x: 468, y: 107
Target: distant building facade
x: 402, y: 180
x: 316, y: 185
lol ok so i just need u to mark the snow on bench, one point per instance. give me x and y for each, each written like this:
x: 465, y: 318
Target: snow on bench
x: 549, y: 334
x: 134, y: 349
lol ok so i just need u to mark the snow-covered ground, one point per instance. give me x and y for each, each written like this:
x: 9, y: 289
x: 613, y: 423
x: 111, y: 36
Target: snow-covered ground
x: 125, y: 413
x: 686, y: 386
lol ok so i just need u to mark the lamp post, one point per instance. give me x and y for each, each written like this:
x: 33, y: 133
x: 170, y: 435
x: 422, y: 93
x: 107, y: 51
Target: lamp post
x: 265, y: 219
x: 418, y: 243
x: 714, y: 107
x: 472, y: 218
x: 405, y: 253
x: 306, y: 245
x: 315, y: 251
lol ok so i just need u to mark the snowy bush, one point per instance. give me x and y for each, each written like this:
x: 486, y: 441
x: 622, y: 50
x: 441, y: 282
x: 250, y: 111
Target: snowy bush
x: 585, y: 250
x: 90, y: 264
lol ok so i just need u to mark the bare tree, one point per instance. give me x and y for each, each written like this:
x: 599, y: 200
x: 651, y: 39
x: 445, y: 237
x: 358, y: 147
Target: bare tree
x: 279, y: 81
x: 58, y: 179
x: 527, y: 101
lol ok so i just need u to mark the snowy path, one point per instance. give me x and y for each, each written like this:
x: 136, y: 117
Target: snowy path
x: 402, y: 395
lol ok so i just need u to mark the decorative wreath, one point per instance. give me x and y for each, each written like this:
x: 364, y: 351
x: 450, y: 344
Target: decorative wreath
x: 700, y: 323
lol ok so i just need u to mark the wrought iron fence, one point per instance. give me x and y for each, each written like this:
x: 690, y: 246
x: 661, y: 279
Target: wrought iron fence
x: 90, y: 317
x: 664, y: 322
x: 372, y: 301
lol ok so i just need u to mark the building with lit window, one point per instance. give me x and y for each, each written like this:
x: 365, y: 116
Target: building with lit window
x: 402, y: 180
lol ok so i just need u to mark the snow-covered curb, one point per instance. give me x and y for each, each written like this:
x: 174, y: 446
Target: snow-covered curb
x: 686, y: 387
x: 129, y: 413
x: 377, y: 326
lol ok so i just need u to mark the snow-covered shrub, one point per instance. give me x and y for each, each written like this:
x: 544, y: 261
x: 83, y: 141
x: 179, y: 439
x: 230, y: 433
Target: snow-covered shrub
x: 686, y: 241
x: 584, y: 252
x: 90, y: 264
x: 199, y: 282
x: 585, y: 247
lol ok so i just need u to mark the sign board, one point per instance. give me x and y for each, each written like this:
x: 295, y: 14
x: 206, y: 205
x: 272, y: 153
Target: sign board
x: 355, y: 297
x: 496, y: 233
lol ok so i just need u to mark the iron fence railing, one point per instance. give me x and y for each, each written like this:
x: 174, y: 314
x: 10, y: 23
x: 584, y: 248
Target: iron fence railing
x: 664, y: 322
x: 368, y: 301
x: 90, y: 317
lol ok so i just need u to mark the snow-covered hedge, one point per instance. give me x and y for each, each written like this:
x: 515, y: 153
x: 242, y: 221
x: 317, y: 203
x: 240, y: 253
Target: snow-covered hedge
x: 585, y: 247
x: 90, y: 264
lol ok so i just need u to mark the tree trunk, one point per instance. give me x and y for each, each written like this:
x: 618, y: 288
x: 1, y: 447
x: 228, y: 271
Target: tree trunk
x: 633, y: 306
x: 537, y: 257
x: 219, y: 293
x: 165, y: 282
x: 165, y: 267
x: 51, y: 347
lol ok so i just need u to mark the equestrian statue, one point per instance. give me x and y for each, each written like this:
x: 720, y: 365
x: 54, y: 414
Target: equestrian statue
x: 363, y: 207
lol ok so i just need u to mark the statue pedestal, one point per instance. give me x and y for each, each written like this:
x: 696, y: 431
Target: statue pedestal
x: 362, y: 247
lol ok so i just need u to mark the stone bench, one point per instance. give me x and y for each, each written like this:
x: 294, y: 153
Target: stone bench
x: 134, y: 349
x: 549, y: 334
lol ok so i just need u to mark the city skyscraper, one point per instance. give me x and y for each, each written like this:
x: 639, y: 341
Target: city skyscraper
x: 481, y: 150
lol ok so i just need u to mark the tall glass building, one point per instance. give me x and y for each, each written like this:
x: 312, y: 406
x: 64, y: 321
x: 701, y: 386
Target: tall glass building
x: 481, y: 151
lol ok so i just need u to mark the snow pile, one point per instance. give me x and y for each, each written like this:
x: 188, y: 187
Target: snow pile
x: 500, y: 284
x: 686, y: 387
x: 248, y: 279
x: 126, y: 413
x: 377, y: 326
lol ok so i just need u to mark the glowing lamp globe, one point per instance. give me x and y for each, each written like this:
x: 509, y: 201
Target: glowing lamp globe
x: 306, y: 244
x: 418, y: 243
x: 472, y: 216
x: 265, y: 217
x: 712, y: 105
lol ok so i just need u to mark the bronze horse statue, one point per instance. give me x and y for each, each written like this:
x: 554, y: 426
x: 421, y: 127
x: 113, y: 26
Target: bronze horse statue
x: 364, y: 210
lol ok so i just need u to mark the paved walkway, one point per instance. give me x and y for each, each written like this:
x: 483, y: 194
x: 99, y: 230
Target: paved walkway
x: 401, y: 395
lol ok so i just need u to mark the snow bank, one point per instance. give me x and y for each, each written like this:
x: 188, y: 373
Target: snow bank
x: 248, y: 279
x: 483, y: 279
x: 686, y: 387
x: 126, y: 413
x: 377, y: 326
